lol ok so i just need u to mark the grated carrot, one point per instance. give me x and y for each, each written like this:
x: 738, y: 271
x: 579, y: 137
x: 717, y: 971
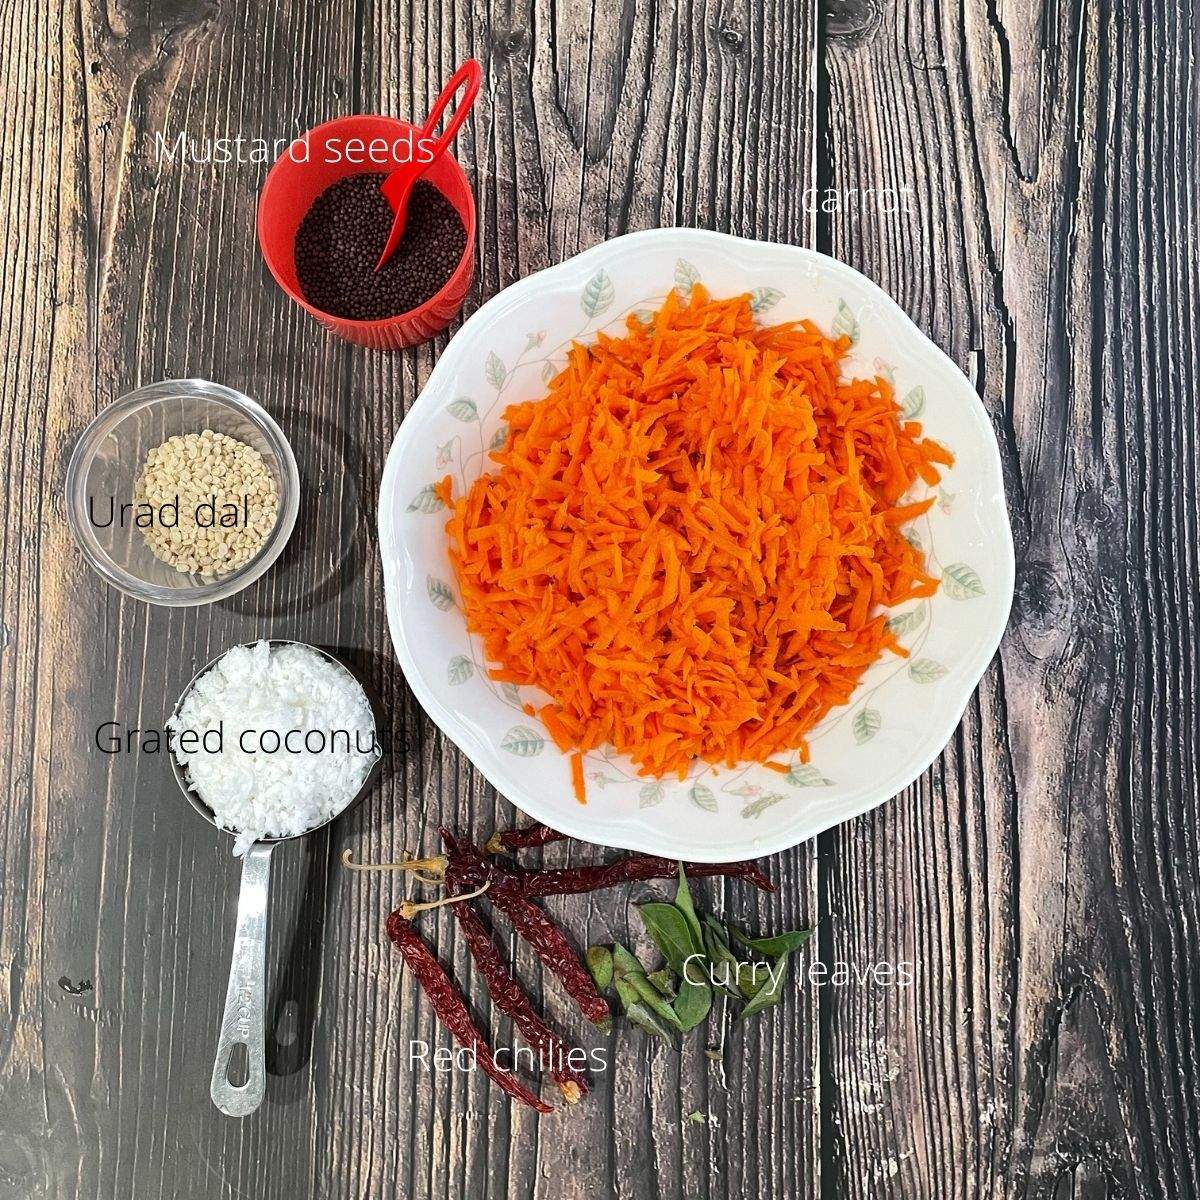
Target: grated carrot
x: 577, y: 784
x: 690, y: 540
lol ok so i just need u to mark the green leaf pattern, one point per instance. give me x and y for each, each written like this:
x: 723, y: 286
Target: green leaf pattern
x: 464, y: 409
x: 523, y: 741
x: 764, y: 298
x: 905, y: 622
x: 686, y: 277
x: 459, y: 670
x: 495, y: 370
x: 867, y: 723
x: 598, y: 295
x: 651, y: 794
x: 845, y: 322
x: 755, y: 808
x: 426, y: 501
x: 961, y: 582
x: 806, y: 775
x: 914, y: 404
x: 926, y: 670
x: 439, y: 593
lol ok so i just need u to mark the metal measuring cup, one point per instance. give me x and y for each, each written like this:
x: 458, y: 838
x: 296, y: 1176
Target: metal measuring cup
x: 244, y: 1019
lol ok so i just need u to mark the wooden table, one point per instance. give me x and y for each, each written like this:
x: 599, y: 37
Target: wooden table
x: 1041, y: 877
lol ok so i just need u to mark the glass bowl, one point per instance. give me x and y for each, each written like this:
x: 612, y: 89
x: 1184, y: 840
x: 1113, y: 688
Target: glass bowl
x: 109, y: 456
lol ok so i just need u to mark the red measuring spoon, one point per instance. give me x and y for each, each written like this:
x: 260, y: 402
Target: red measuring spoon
x: 398, y: 186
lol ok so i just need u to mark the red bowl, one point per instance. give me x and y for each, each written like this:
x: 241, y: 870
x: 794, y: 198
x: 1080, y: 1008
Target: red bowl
x: 333, y: 152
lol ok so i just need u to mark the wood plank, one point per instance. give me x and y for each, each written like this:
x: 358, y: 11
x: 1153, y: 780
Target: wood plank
x: 1039, y: 875
x: 121, y: 269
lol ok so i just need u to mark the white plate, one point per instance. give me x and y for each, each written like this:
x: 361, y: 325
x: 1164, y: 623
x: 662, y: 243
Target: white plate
x: 903, y: 712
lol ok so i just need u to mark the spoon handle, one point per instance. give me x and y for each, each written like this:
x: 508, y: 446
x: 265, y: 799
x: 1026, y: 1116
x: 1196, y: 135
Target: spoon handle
x: 245, y: 1002
x: 469, y: 76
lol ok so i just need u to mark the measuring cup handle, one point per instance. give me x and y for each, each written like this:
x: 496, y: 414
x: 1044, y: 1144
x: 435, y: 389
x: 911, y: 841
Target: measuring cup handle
x: 469, y: 74
x: 245, y: 1001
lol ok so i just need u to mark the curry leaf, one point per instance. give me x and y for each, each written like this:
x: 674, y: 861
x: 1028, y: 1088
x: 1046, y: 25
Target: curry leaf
x: 671, y: 933
x: 628, y: 971
x: 770, y: 990
x: 755, y: 977
x: 773, y: 947
x: 664, y: 981
x: 675, y: 930
x: 692, y: 1004
x: 645, y: 1019
x: 641, y: 1014
x: 600, y: 964
x: 716, y: 945
x: 683, y: 902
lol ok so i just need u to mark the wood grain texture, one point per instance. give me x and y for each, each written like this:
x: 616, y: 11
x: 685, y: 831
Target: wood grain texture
x: 1041, y: 878
x: 121, y: 269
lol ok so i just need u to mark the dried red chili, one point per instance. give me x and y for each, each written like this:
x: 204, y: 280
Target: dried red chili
x: 523, y: 839
x: 468, y: 869
x: 635, y: 868
x: 451, y: 1008
x: 510, y: 999
x: 571, y: 881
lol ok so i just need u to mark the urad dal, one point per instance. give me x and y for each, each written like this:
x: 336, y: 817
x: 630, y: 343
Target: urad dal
x: 690, y: 540
x: 222, y: 497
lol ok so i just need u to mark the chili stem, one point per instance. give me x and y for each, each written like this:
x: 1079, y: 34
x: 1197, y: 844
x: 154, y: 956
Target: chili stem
x: 427, y: 870
x: 410, y: 908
